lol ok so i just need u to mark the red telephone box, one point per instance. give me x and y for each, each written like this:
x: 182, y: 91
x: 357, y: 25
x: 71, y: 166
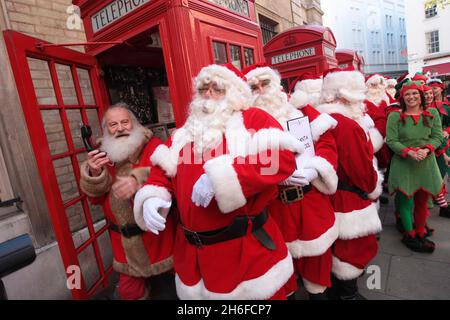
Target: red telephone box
x: 301, y: 49
x: 348, y: 58
x: 144, y: 52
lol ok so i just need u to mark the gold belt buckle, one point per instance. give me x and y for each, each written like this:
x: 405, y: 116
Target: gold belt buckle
x: 298, y: 194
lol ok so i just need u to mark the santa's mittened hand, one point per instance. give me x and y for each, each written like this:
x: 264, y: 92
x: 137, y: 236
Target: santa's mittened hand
x: 153, y: 219
x: 203, y: 192
x: 309, y: 174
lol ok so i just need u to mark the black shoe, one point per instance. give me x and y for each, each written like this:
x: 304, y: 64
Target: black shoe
x: 348, y: 290
x: 318, y: 296
x: 384, y: 200
x: 418, y: 244
x: 399, y: 226
x: 429, y: 231
x: 444, y: 212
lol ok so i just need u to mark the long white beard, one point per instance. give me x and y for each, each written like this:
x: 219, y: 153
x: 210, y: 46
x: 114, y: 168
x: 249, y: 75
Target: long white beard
x: 120, y: 149
x: 207, y: 122
x: 275, y: 102
x: 377, y: 95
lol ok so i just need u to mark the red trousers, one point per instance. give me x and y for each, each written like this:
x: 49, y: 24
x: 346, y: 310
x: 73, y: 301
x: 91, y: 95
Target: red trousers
x: 131, y: 288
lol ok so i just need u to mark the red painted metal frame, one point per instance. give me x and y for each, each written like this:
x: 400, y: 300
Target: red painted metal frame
x: 299, y: 38
x: 347, y: 57
x: 20, y: 47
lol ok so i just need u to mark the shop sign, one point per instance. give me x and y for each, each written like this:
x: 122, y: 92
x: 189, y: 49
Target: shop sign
x: 238, y: 6
x: 294, y: 55
x: 113, y: 12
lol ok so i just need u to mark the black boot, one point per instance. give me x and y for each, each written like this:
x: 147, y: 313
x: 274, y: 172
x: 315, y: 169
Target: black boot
x: 418, y: 244
x: 318, y: 296
x: 348, y: 290
x: 444, y: 212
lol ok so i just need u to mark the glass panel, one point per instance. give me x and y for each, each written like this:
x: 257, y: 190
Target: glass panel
x: 66, y: 84
x: 54, y: 131
x: 88, y: 265
x: 220, y: 52
x: 67, y: 183
x: 74, y: 118
x: 105, y: 249
x: 235, y: 54
x: 86, y: 87
x: 249, y: 57
x: 42, y: 81
x: 77, y: 224
x: 92, y: 116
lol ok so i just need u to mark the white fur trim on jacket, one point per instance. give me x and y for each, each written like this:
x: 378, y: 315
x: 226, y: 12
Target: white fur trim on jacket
x: 345, y: 271
x: 376, y: 193
x: 377, y: 139
x: 328, y: 180
x: 315, y: 247
x: 322, y: 124
x: 147, y: 192
x: 312, y: 287
x: 359, y: 223
x: 227, y: 188
x: 261, y: 288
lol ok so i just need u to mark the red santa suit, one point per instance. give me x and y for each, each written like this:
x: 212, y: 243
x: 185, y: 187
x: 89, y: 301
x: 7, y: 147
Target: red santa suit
x: 308, y: 224
x: 377, y: 102
x: 140, y: 255
x: 359, y: 179
x: 252, y: 156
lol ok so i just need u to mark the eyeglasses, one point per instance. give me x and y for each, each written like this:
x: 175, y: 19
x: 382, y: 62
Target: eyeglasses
x: 262, y: 84
x: 212, y: 89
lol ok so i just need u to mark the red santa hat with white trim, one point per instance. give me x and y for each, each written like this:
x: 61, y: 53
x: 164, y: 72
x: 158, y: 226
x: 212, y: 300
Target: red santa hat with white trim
x: 259, y: 72
x: 343, y: 83
x: 305, y: 90
x: 375, y: 79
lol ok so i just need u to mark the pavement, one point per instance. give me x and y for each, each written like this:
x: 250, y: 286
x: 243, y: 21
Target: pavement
x: 396, y: 273
x: 407, y: 275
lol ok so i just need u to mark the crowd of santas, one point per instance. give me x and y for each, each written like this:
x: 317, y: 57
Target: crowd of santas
x: 234, y: 209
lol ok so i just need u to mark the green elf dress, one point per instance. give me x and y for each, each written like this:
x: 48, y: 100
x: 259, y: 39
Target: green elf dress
x: 414, y: 181
x: 444, y: 113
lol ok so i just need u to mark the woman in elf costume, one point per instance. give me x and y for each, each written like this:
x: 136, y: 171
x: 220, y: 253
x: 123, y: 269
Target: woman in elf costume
x: 413, y: 133
x: 443, y: 152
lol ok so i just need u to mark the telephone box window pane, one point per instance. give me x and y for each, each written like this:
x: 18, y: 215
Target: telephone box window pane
x: 88, y: 265
x: 77, y: 222
x: 42, y: 81
x: 249, y: 56
x: 94, y: 123
x: 235, y: 54
x: 74, y: 118
x: 65, y: 177
x: 104, y: 244
x: 86, y: 87
x: 220, y: 52
x: 54, y: 131
x: 65, y: 80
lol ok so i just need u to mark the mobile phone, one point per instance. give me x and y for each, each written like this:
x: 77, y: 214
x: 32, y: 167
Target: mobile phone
x: 86, y: 134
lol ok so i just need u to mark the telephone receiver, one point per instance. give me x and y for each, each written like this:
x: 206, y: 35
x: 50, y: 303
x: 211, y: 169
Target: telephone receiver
x: 86, y: 134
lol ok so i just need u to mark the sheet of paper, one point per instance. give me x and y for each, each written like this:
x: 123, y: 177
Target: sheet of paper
x: 301, y: 130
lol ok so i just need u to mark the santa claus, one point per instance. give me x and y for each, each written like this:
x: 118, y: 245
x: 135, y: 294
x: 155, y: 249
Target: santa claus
x: 223, y: 167
x: 390, y: 86
x: 303, y: 210
x: 343, y: 94
x: 110, y: 177
x: 306, y: 90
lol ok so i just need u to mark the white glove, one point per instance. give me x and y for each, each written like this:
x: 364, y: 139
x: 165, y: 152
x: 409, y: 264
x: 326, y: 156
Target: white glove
x: 368, y: 122
x: 203, y: 191
x: 154, y: 221
x: 301, y: 178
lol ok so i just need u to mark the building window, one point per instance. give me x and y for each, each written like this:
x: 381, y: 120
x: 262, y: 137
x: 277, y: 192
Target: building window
x: 268, y: 28
x: 432, y: 39
x: 431, y: 11
x: 220, y: 52
x: 235, y: 54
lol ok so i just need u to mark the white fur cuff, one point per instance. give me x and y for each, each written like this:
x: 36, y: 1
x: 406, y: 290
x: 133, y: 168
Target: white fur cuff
x: 147, y: 192
x: 345, y: 271
x: 377, y: 139
x: 165, y: 159
x: 376, y: 193
x: 322, y: 124
x: 227, y: 188
x: 328, y: 180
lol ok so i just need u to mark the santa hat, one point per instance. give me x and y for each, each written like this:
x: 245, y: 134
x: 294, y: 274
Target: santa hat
x: 419, y: 77
x: 391, y: 82
x: 307, y: 82
x: 427, y: 88
x: 343, y: 83
x: 374, y: 79
x: 259, y: 72
x: 411, y: 85
x: 227, y: 77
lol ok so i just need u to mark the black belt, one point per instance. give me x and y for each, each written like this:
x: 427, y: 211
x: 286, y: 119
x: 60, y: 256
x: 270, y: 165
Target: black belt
x: 293, y: 194
x: 236, y: 230
x: 128, y: 231
x: 358, y: 191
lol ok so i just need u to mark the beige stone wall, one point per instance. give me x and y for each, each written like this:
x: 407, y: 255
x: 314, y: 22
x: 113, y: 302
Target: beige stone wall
x: 44, y: 19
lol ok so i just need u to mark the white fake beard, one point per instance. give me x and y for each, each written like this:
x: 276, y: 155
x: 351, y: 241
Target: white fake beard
x: 274, y: 102
x: 207, y: 122
x: 120, y: 149
x: 376, y: 95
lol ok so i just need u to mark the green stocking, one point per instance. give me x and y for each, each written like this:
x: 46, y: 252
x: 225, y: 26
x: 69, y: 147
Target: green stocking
x: 405, y: 207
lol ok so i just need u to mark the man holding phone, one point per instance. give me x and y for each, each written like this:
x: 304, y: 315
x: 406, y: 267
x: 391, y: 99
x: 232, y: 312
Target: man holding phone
x: 110, y: 177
